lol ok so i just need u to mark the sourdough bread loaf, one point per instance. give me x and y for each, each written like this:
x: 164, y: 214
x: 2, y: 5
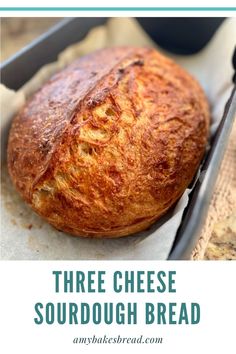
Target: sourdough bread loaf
x: 110, y: 143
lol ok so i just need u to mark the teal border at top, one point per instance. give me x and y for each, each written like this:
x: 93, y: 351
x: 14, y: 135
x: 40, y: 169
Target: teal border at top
x: 117, y: 8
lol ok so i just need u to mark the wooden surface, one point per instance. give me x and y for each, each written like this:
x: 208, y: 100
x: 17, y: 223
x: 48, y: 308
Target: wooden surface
x: 218, y: 238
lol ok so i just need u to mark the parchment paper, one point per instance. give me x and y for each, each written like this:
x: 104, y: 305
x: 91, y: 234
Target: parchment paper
x: 25, y: 235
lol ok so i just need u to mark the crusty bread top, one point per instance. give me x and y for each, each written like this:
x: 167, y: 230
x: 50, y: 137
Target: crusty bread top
x: 38, y: 128
x: 115, y: 137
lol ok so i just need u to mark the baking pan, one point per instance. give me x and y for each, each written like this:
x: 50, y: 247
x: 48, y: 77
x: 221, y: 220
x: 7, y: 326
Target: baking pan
x: 21, y: 67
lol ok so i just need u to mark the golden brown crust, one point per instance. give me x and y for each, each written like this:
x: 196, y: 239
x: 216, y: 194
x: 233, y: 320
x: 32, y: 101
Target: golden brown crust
x: 109, y: 143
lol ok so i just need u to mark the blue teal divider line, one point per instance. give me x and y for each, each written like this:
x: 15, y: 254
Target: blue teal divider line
x: 117, y: 8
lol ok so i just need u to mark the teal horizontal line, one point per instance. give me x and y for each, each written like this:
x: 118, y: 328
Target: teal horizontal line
x: 117, y: 8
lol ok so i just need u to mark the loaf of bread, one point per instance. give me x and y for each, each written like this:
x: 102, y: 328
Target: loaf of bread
x: 110, y: 143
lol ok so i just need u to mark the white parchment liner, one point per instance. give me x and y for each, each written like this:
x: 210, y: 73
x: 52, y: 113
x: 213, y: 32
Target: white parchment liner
x: 24, y: 235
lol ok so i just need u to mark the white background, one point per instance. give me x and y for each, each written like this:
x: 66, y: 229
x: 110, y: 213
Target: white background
x: 121, y: 3
x: 211, y: 284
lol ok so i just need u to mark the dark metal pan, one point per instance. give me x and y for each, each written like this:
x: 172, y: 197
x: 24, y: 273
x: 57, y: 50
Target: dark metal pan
x: 196, y: 211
